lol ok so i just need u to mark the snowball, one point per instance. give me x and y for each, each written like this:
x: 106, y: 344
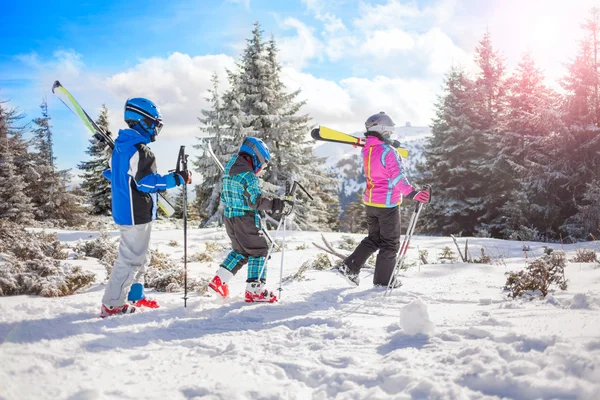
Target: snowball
x: 414, y: 319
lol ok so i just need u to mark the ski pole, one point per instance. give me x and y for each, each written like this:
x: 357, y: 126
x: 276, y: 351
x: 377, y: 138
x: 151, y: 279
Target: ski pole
x: 287, y: 196
x: 182, y: 165
x: 404, y: 246
x: 271, y: 247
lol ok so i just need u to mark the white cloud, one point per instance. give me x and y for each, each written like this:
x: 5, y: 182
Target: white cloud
x: 383, y: 43
x: 178, y: 84
x: 298, y: 50
x: 347, y: 104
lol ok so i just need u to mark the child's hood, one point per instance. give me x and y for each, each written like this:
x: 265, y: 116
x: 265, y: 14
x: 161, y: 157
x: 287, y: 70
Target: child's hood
x: 128, y: 138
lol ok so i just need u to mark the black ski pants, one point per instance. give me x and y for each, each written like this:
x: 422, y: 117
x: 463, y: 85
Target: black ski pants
x: 384, y: 235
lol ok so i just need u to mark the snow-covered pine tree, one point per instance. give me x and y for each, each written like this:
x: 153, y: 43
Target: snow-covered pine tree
x: 489, y: 108
x: 15, y: 205
x: 580, y: 142
x: 52, y: 199
x: 272, y: 115
x: 453, y: 161
x: 582, y: 83
x: 96, y: 187
x: 532, y: 121
x: 219, y: 125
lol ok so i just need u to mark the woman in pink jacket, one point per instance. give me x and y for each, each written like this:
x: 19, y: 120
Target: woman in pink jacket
x: 386, y: 184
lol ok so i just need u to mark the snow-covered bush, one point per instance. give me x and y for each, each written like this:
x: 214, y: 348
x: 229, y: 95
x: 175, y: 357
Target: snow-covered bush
x: 585, y: 256
x: 348, y: 243
x: 483, y: 258
x: 447, y: 254
x: 321, y: 262
x: 30, y: 264
x: 164, y: 275
x: 104, y: 248
x: 537, y: 277
x: 526, y: 234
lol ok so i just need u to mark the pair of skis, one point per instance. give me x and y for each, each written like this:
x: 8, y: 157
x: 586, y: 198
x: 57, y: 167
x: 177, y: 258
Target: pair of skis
x: 72, y: 104
x: 326, y: 134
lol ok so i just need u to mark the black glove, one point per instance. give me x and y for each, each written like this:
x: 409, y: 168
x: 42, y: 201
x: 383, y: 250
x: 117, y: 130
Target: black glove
x: 281, y: 206
x: 395, y: 144
x: 182, y: 177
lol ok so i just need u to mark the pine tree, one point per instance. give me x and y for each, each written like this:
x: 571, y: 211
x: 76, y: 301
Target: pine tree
x: 219, y: 125
x: 453, y: 161
x: 532, y: 118
x: 579, y: 143
x: 257, y: 105
x: 274, y: 117
x: 96, y: 187
x: 49, y: 193
x: 354, y: 219
x: 15, y: 205
x: 582, y: 83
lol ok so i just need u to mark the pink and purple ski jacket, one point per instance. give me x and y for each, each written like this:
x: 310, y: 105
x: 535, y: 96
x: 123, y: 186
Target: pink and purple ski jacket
x: 386, y: 179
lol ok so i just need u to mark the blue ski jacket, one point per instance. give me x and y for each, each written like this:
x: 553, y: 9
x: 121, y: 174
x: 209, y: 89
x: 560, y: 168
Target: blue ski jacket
x: 134, y: 181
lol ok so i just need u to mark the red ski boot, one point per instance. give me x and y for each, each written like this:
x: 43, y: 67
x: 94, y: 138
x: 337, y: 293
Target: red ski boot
x: 146, y: 302
x: 256, y: 292
x: 107, y: 311
x: 218, y: 286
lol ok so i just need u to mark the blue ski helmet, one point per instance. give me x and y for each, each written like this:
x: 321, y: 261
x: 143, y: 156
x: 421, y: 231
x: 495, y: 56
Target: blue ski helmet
x: 381, y: 123
x: 143, y: 116
x: 258, y: 150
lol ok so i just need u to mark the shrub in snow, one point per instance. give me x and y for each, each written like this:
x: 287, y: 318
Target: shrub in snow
x: 447, y: 254
x: 201, y: 257
x: 348, y: 243
x: 414, y: 319
x: 526, y: 234
x: 537, y: 277
x: 483, y: 258
x: 104, y: 248
x: 320, y: 263
x: 585, y: 256
x: 164, y: 275
x: 30, y: 264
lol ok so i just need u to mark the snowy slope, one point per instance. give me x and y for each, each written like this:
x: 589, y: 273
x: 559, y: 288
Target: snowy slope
x: 448, y: 333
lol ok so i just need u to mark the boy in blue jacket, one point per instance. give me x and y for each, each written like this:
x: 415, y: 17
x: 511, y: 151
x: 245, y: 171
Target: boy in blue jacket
x: 134, y: 186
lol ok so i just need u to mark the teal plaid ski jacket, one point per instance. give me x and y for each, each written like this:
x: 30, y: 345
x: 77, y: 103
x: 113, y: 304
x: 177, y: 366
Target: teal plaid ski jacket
x: 241, y: 192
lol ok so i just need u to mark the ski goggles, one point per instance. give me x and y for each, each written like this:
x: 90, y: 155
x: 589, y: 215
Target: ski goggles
x: 155, y: 124
x: 261, y: 159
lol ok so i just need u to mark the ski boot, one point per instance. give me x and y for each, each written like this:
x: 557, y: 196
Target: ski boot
x: 107, y: 311
x: 218, y: 283
x: 137, y: 298
x: 146, y: 302
x: 350, y: 276
x: 256, y: 292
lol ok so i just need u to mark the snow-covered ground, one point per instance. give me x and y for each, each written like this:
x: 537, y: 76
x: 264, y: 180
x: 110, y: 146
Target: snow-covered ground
x: 449, y: 332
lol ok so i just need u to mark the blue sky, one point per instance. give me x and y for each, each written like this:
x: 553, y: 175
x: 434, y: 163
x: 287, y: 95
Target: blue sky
x: 350, y: 58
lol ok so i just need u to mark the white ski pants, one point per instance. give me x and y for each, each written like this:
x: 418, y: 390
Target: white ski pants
x: 130, y: 265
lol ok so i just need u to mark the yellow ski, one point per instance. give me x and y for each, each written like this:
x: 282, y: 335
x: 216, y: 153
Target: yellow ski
x: 330, y: 135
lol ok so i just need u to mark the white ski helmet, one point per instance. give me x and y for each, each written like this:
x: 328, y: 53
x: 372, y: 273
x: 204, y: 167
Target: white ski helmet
x: 381, y: 123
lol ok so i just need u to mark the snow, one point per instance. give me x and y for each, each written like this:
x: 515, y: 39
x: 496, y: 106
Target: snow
x: 449, y: 332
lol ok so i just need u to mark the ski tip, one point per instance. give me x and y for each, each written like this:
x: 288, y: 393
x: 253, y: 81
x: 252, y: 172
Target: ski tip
x: 315, y: 134
x: 55, y: 85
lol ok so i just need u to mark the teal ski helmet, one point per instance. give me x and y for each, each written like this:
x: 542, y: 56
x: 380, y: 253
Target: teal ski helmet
x: 142, y: 115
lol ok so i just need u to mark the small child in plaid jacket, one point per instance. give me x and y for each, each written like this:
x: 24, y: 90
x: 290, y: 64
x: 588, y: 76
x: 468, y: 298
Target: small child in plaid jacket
x: 243, y: 200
